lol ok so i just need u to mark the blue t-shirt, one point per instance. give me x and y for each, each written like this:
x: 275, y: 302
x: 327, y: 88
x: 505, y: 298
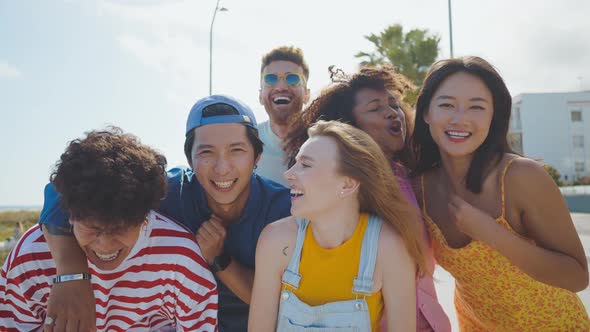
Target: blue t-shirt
x: 186, y: 203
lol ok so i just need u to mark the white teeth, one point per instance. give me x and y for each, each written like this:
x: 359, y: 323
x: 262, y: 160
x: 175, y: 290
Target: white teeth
x: 461, y: 134
x: 281, y: 98
x: 108, y: 257
x: 296, y: 193
x: 223, y: 184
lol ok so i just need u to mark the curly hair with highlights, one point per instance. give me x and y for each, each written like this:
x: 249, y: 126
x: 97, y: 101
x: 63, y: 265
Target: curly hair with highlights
x: 110, y: 177
x: 337, y: 101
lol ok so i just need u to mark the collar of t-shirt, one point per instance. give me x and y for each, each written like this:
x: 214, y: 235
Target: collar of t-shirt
x: 195, y: 201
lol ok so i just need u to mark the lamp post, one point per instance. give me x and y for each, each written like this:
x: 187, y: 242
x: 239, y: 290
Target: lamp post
x: 451, y: 28
x: 222, y: 9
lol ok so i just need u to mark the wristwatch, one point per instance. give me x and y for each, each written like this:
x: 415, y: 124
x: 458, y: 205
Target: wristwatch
x: 220, y: 262
x: 71, y: 277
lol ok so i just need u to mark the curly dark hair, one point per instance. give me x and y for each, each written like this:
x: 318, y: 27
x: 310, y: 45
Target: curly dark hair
x: 110, y: 177
x: 286, y: 53
x: 337, y: 101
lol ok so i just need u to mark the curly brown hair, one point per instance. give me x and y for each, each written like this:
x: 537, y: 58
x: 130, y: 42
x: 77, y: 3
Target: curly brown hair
x: 337, y: 101
x: 110, y: 177
x: 286, y: 53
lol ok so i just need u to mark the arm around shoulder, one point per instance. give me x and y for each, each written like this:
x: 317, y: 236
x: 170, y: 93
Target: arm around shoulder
x: 72, y: 300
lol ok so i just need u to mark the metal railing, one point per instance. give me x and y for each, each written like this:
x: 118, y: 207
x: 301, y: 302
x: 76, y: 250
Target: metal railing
x: 575, y: 190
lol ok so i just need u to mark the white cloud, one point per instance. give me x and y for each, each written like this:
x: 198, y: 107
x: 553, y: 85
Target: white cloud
x: 541, y: 51
x: 9, y: 71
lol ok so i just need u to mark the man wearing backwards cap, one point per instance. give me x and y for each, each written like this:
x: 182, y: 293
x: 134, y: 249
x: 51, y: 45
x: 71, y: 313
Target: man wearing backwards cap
x: 219, y: 198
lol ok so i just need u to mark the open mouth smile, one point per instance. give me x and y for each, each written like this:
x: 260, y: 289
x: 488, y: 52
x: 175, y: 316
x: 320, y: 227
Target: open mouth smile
x: 295, y: 193
x: 223, y: 185
x: 458, y: 136
x: 108, y: 257
x: 282, y: 100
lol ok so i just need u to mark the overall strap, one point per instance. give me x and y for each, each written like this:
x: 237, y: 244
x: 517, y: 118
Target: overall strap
x: 291, y: 275
x: 363, y: 283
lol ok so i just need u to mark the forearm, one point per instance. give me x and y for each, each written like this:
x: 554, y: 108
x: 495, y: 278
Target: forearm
x: 545, y: 265
x: 66, y: 252
x: 239, y: 279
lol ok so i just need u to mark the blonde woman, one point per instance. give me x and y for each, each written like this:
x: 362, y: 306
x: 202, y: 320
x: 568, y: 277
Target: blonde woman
x: 349, y: 251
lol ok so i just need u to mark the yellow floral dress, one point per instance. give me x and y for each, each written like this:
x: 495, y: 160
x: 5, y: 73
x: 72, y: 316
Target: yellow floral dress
x: 492, y: 294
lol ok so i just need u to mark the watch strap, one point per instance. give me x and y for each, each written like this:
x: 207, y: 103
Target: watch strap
x: 220, y: 262
x: 71, y: 277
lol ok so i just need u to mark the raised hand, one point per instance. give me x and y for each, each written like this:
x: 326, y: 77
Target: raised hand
x: 211, y: 237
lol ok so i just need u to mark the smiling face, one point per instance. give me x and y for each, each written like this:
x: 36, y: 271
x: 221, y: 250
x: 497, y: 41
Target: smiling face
x: 379, y: 114
x: 315, y: 182
x: 460, y: 114
x: 106, y: 248
x: 223, y: 161
x: 281, y: 100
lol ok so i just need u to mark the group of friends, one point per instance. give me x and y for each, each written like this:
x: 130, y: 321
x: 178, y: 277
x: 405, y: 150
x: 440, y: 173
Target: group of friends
x: 330, y: 216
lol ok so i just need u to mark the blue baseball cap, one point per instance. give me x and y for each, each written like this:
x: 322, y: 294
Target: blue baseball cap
x: 244, y: 116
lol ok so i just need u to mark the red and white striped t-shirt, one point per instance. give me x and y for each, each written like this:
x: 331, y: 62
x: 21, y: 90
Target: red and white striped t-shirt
x: 163, y: 283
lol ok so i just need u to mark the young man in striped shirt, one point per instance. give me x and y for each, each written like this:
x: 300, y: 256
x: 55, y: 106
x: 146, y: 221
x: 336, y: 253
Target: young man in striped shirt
x: 147, y: 272
x: 219, y: 198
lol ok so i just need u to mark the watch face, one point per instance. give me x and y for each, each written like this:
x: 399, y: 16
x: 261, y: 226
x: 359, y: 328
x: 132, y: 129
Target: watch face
x: 220, y: 262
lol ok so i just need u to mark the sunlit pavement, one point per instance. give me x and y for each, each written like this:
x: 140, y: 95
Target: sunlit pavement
x: 445, y: 284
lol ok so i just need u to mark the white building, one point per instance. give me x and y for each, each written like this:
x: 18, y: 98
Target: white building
x: 554, y: 127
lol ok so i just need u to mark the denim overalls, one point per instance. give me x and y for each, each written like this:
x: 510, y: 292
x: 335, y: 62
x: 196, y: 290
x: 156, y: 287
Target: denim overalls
x: 340, y: 316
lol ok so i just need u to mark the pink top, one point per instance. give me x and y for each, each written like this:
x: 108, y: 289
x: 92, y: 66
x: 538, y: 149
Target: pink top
x: 430, y: 314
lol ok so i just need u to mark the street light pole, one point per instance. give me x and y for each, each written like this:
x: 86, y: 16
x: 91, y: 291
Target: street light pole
x: 222, y: 9
x: 451, y: 28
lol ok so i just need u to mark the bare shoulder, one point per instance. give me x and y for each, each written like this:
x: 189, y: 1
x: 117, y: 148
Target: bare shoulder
x: 527, y: 176
x: 393, y: 258
x: 279, y: 231
x: 391, y: 243
x: 523, y: 165
x: 531, y: 190
x: 277, y: 241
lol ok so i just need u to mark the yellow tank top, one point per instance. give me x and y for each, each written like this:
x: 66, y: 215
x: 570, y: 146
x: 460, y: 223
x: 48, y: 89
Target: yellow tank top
x: 327, y: 275
x: 492, y: 294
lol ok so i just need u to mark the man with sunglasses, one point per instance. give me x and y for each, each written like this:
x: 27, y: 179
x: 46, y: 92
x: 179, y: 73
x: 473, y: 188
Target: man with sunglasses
x: 283, y: 92
x: 219, y: 198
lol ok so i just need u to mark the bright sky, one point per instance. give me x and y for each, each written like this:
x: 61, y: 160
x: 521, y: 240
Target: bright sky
x: 67, y: 67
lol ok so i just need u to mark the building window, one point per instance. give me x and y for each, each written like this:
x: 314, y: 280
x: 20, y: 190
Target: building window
x: 579, y: 166
x: 576, y: 116
x: 578, y: 141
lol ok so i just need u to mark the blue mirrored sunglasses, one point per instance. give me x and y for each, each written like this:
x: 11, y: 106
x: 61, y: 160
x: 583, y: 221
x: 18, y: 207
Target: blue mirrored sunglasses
x: 292, y: 79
